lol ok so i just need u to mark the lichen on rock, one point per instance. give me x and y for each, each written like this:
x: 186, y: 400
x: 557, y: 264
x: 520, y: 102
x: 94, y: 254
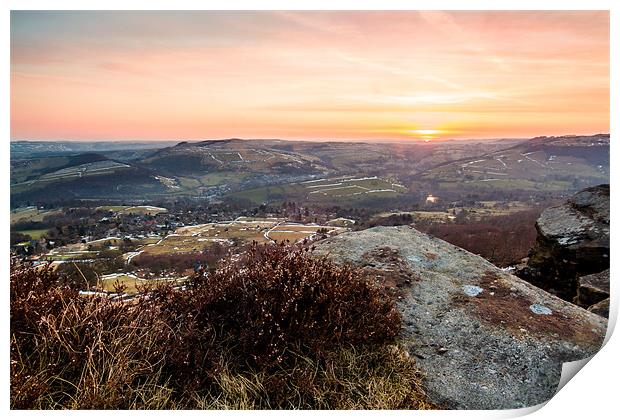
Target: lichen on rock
x: 483, y: 350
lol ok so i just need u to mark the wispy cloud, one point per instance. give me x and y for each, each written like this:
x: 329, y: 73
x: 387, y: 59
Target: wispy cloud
x: 307, y: 74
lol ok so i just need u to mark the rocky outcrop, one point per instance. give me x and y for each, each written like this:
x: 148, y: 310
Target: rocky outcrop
x: 601, y: 308
x: 484, y: 339
x: 592, y: 288
x: 573, y: 241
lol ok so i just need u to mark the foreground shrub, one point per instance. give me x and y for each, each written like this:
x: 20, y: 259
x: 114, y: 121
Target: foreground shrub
x: 71, y: 351
x: 273, y: 329
x: 272, y: 300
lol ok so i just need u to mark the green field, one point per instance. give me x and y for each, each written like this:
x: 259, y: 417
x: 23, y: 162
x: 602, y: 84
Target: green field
x: 516, y: 170
x: 34, y: 233
x: 30, y: 214
x: 150, y: 210
x: 112, y: 208
x: 188, y: 183
x: 224, y: 177
x: 86, y: 169
x: 513, y: 184
x: 341, y: 190
x: 21, y: 173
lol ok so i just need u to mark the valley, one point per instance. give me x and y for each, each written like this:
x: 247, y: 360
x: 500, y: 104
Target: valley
x: 133, y: 218
x: 264, y: 171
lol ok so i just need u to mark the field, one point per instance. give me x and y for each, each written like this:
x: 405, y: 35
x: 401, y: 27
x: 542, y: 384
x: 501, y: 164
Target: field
x: 147, y: 210
x: 87, y: 169
x: 351, y: 186
x: 250, y: 157
x: 197, y: 238
x: 34, y: 233
x: 294, y: 232
x: 103, y: 244
x: 485, y: 208
x: 131, y: 282
x: 237, y: 232
x: 174, y: 244
x: 538, y: 170
x: 218, y: 178
x: 339, y: 189
x: 91, y: 250
x: 61, y: 257
x: 30, y: 214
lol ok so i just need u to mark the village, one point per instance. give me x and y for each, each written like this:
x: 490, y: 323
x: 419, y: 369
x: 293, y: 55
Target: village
x: 132, y: 247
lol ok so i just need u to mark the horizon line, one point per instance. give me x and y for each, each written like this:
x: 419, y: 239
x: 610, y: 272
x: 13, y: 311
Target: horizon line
x: 412, y: 140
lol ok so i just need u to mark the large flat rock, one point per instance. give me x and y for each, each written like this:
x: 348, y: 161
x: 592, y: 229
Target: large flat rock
x: 484, y: 339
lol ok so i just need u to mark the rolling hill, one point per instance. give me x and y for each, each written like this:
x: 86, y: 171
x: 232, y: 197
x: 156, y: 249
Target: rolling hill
x: 266, y: 170
x: 540, y: 164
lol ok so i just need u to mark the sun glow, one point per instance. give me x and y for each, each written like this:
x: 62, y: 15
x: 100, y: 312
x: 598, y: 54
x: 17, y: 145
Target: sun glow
x: 426, y: 135
x: 421, y: 76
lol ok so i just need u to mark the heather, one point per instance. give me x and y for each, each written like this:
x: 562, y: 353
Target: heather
x: 271, y: 328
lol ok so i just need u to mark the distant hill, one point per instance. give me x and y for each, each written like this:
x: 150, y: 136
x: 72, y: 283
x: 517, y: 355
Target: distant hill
x: 594, y: 149
x: 310, y: 156
x: 29, y: 169
x: 230, y: 155
x: 109, y: 180
x: 541, y: 164
x: 244, y: 168
x: 29, y: 149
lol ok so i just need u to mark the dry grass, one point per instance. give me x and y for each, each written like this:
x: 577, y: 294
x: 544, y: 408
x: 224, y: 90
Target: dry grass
x: 276, y: 329
x: 384, y: 378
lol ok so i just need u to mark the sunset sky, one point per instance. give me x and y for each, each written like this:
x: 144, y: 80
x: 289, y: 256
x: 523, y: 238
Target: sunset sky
x: 308, y: 75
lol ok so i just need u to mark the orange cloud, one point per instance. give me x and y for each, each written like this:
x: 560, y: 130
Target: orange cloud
x: 308, y: 75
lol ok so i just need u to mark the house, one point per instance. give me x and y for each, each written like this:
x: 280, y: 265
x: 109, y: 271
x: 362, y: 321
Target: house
x: 431, y: 199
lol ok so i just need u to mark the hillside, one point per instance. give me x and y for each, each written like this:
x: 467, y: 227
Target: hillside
x: 300, y: 333
x: 259, y: 171
x: 33, y: 149
x: 103, y: 179
x: 23, y: 170
x: 211, y: 168
x: 540, y: 164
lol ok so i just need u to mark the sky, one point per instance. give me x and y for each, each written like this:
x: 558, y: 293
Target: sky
x: 411, y: 76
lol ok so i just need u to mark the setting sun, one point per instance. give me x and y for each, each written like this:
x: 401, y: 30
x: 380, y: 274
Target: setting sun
x: 426, y: 135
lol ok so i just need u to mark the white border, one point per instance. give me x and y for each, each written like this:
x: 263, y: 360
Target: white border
x: 591, y: 394
x: 310, y: 5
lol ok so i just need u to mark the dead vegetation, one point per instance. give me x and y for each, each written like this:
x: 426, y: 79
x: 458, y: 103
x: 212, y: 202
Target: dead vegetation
x: 274, y: 329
